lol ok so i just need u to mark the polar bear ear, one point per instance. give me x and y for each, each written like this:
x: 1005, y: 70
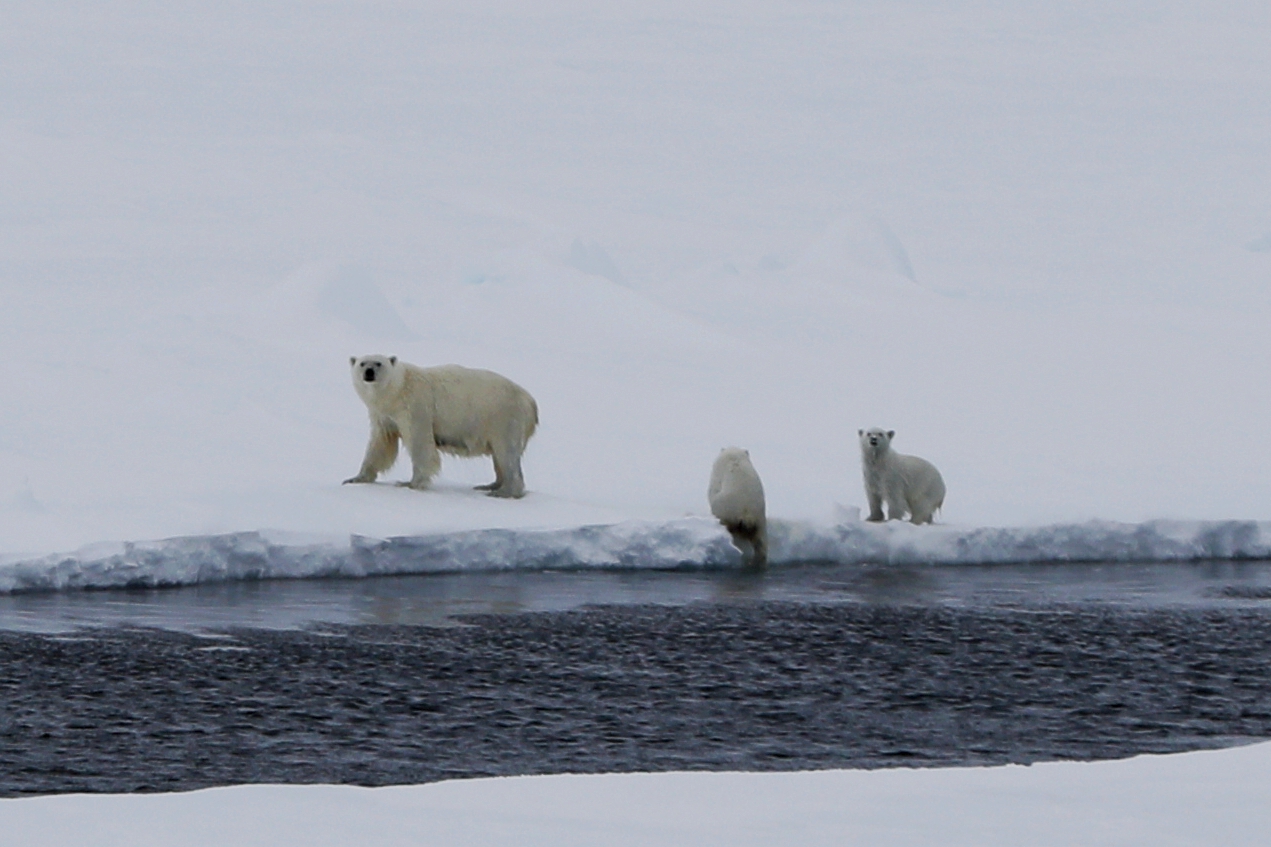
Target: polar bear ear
x: 353, y: 360
x: 392, y: 360
x: 860, y: 432
x: 891, y: 433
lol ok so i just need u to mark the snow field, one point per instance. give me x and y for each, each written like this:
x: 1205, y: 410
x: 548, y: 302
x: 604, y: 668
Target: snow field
x: 1202, y: 798
x: 1019, y: 237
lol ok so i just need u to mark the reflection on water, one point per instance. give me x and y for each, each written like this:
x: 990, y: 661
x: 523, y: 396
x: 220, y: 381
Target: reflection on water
x: 437, y: 600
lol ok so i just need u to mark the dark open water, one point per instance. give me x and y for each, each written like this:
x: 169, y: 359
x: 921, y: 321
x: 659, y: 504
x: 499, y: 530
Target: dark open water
x: 408, y: 680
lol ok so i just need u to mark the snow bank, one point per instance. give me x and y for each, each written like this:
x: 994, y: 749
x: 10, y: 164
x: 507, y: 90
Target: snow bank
x: 1202, y: 798
x: 684, y: 543
x: 1094, y: 541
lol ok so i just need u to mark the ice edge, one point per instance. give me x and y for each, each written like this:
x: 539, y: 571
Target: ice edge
x: 684, y: 543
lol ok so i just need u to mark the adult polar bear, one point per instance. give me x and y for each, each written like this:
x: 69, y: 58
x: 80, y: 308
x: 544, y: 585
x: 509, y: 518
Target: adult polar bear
x: 446, y: 409
x: 907, y: 484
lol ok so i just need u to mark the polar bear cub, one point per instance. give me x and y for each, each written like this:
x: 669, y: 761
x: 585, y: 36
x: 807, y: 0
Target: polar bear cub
x: 736, y: 498
x: 446, y: 409
x: 907, y: 484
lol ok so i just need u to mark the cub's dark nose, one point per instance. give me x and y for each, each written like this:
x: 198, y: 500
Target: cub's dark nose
x: 369, y: 375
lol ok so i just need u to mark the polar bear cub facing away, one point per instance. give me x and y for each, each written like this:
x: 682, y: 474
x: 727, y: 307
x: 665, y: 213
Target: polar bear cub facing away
x: 736, y: 498
x: 907, y: 484
x: 447, y: 409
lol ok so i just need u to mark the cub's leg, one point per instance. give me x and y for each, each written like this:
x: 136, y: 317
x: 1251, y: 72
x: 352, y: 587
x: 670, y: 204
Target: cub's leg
x: 897, y: 507
x: 752, y: 537
x: 875, y: 506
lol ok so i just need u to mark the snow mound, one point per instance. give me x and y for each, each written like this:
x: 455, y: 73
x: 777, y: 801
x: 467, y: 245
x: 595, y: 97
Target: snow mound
x: 684, y: 543
x: 265, y: 555
x: 1094, y: 541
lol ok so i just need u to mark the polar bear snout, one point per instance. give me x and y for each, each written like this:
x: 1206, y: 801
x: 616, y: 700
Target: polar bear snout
x: 368, y: 374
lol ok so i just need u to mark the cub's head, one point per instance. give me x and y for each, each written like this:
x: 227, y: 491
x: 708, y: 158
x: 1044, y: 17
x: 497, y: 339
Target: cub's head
x: 876, y: 439
x: 373, y: 374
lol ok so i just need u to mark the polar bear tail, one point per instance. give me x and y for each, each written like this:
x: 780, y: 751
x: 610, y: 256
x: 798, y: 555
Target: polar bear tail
x: 531, y: 420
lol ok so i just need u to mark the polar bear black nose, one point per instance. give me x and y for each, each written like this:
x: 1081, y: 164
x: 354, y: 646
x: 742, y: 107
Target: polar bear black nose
x: 369, y: 375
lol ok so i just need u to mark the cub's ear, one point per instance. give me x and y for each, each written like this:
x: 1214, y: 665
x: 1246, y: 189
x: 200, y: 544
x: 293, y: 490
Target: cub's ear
x: 392, y: 360
x: 891, y: 433
x: 860, y: 432
x: 353, y: 360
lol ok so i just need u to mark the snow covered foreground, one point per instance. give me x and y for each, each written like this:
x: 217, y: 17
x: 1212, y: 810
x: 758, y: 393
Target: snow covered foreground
x: 686, y: 543
x: 1204, y: 798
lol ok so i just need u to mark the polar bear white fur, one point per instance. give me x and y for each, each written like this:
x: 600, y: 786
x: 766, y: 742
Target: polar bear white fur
x: 736, y: 498
x: 447, y: 409
x: 907, y: 484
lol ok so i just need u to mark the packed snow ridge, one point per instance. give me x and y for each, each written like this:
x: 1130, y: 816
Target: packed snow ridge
x: 679, y: 544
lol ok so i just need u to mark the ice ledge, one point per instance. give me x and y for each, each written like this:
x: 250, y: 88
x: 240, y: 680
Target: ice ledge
x: 685, y: 543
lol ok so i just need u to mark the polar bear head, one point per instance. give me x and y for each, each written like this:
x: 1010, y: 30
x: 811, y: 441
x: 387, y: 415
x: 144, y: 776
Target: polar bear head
x: 876, y: 441
x: 374, y: 376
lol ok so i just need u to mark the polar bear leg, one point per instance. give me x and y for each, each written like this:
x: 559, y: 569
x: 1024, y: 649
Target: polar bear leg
x: 424, y: 457
x: 925, y: 492
x: 508, y: 480
x: 759, y: 547
x: 500, y: 484
x: 499, y: 475
x: 925, y: 511
x: 752, y: 540
x: 875, y: 506
x: 897, y: 506
x: 506, y: 449
x: 381, y: 452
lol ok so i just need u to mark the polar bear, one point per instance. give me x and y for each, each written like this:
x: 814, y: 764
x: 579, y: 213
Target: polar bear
x: 908, y: 484
x: 447, y: 409
x: 736, y: 498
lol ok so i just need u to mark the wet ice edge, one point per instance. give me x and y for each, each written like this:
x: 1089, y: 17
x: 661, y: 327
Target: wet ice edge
x: 683, y: 543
